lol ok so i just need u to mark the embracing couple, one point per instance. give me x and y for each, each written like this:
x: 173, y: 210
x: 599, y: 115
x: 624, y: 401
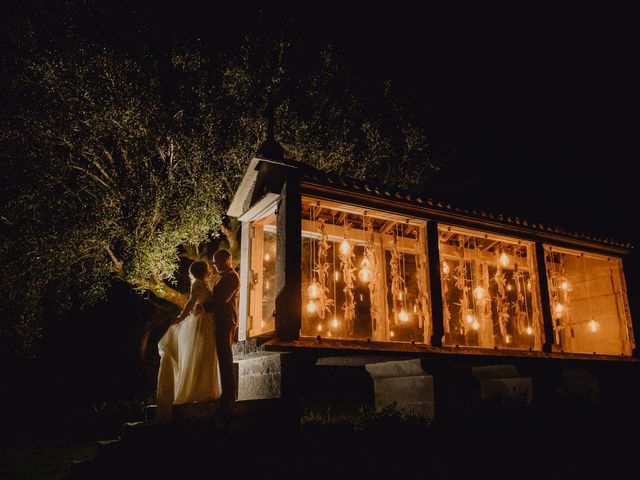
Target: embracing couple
x: 196, y: 362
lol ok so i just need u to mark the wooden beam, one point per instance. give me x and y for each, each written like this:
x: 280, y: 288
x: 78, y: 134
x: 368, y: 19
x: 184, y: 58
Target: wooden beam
x: 543, y: 285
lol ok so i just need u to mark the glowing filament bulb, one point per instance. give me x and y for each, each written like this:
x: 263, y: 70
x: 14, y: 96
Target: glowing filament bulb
x: 392, y: 334
x: 399, y: 295
x: 267, y: 257
x: 312, y: 307
x: 415, y: 308
x: 319, y: 327
x: 593, y: 326
x: 480, y: 293
x: 475, y: 325
x: 403, y: 316
x: 559, y: 308
x: 445, y: 268
x: 504, y: 259
x: 469, y: 318
x: 365, y: 272
x: 314, y: 291
x: 509, y: 287
x: 335, y: 323
x: 336, y: 276
x: 507, y: 339
x: 345, y: 247
x: 261, y: 324
x: 564, y: 285
x: 529, y: 330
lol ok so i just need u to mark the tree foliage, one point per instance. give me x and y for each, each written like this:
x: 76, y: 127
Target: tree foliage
x: 118, y: 163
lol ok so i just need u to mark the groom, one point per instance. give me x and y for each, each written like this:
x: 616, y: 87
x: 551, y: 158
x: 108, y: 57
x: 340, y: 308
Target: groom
x: 224, y: 306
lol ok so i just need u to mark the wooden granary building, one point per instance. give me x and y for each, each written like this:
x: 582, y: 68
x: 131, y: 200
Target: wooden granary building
x: 340, y: 272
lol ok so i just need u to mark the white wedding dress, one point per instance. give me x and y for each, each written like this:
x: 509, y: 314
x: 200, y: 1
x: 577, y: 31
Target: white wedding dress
x: 189, y: 369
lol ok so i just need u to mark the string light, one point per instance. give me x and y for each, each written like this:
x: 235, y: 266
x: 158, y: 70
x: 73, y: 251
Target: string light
x: 319, y: 327
x: 415, y: 308
x: 559, y: 309
x: 403, y: 316
x: 336, y: 274
x: 392, y: 334
x: 469, y: 318
x: 529, y: 330
x: 445, y: 268
x: 507, y: 338
x: 314, y: 291
x: 365, y: 272
x: 335, y: 323
x: 312, y: 307
x: 564, y: 285
x: 267, y: 257
x: 475, y: 325
x: 504, y: 259
x: 509, y: 287
x: 479, y: 293
x: 594, y: 326
x: 345, y: 247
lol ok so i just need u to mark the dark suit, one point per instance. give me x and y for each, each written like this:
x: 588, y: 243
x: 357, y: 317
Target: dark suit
x: 224, y: 305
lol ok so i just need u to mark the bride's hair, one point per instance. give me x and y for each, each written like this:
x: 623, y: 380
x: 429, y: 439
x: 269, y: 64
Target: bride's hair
x: 198, y: 269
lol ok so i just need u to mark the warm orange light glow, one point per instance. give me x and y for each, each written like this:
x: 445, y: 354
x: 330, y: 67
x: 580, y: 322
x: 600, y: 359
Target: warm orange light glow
x: 312, y: 307
x: 529, y: 285
x: 507, y: 339
x: 403, y: 316
x: 415, y: 308
x: 314, y: 291
x: 392, y: 334
x: 469, y: 318
x: 335, y: 323
x: 336, y: 276
x: 480, y: 293
x: 445, y: 268
x: 529, y: 330
x: 319, y: 327
x: 509, y: 287
x: 559, y: 308
x: 345, y: 247
x: 504, y: 259
x: 267, y: 257
x: 594, y: 326
x: 364, y: 275
x: 564, y: 285
x: 475, y: 325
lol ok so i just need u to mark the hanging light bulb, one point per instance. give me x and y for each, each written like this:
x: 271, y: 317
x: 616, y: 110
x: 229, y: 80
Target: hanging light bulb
x: 475, y: 325
x: 312, y: 307
x: 392, y: 334
x: 529, y: 330
x: 415, y: 308
x: 345, y: 247
x: 564, y: 285
x: 261, y: 324
x: 507, y: 338
x: 267, y: 257
x: 504, y: 259
x: 399, y: 295
x: 336, y: 275
x: 594, y: 326
x: 319, y: 327
x: 335, y: 323
x: 469, y: 318
x: 509, y: 287
x: 329, y: 334
x: 559, y: 308
x: 361, y: 297
x: 314, y: 291
x: 445, y: 268
x: 403, y: 316
x: 365, y: 272
x: 480, y: 293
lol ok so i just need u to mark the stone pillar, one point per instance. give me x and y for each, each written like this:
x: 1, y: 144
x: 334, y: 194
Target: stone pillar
x: 404, y: 383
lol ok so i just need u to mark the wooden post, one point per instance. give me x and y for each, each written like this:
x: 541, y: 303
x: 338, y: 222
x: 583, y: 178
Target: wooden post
x: 245, y: 287
x: 435, y: 285
x: 545, y: 301
x: 632, y: 301
x: 288, y: 257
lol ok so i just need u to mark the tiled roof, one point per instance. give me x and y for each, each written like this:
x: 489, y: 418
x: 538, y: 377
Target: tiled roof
x: 318, y: 177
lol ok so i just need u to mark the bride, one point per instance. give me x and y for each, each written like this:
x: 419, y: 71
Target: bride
x: 189, y: 370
